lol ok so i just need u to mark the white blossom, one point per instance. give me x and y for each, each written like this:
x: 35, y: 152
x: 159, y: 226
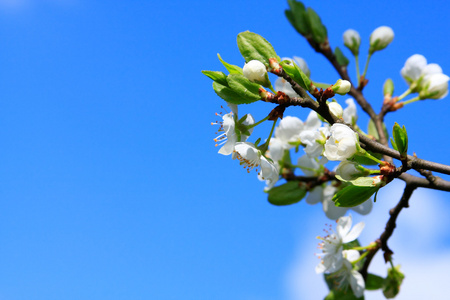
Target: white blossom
x: 255, y: 71
x: 347, y: 275
x: 332, y: 258
x: 412, y: 70
x: 334, y: 212
x: 352, y: 40
x: 283, y: 86
x: 341, y: 144
x: 435, y: 86
x: 349, y: 114
x: 380, y: 38
x: 251, y: 158
x: 228, y: 126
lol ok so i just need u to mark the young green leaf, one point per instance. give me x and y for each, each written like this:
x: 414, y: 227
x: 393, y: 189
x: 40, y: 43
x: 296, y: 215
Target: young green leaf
x: 393, y: 282
x: 340, y: 57
x: 296, y: 73
x: 244, y: 87
x: 318, y: 30
x: 231, y: 68
x: 374, y: 282
x: 228, y: 94
x: 400, y: 139
x: 289, y: 193
x: 254, y: 47
x: 362, y: 160
x: 220, y: 77
x: 353, y: 195
x: 297, y: 17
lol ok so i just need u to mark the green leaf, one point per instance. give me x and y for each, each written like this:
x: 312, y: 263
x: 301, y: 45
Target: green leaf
x: 353, y: 195
x: 362, y: 160
x: 289, y: 193
x: 340, y: 57
x: 228, y: 94
x: 296, y: 73
x: 297, y: 17
x: 372, y: 130
x: 393, y: 282
x: 318, y: 30
x: 244, y: 87
x: 254, y: 47
x: 400, y: 139
x: 233, y: 69
x: 394, y: 145
x: 374, y: 282
x: 220, y: 77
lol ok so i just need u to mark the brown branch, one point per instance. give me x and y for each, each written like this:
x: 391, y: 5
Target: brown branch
x: 389, y: 229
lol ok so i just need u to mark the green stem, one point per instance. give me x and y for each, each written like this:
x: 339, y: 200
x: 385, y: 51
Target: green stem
x: 360, y: 258
x: 367, y: 64
x: 257, y: 123
x: 357, y: 68
x: 406, y: 93
x: 411, y: 100
x: 321, y: 85
x: 369, y: 156
x: 272, y: 89
x: 266, y: 144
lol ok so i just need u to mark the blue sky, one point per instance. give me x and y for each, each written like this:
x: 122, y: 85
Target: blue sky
x: 111, y: 186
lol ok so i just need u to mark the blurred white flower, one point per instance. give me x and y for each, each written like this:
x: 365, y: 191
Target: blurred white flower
x: 380, y: 38
x: 352, y: 40
x: 349, y: 115
x: 336, y: 109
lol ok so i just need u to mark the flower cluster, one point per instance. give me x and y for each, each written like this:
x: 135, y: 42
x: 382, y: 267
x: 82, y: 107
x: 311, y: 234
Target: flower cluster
x: 425, y: 79
x: 340, y: 262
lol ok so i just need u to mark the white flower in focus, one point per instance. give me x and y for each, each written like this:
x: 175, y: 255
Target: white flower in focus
x: 255, y: 71
x: 412, y: 70
x: 336, y: 109
x: 341, y: 144
x: 251, y: 158
x: 347, y: 275
x: 349, y: 114
x: 342, y: 87
x: 352, y: 40
x: 380, y: 38
x: 435, y: 86
x: 228, y: 126
x: 332, y: 245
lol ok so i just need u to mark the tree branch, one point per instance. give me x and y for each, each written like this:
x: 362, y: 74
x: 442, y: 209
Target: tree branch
x: 389, y: 229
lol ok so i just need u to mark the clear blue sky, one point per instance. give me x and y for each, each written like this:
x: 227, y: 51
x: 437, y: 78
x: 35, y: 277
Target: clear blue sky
x: 110, y: 184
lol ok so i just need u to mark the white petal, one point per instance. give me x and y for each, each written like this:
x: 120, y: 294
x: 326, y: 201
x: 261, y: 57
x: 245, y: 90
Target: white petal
x: 315, y: 195
x: 354, y: 233
x: 364, y: 208
x: 357, y: 283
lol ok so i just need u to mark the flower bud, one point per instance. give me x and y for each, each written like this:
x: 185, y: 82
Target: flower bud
x: 352, y: 40
x: 256, y: 71
x: 336, y: 109
x: 348, y: 170
x: 380, y: 38
x: 412, y: 70
x: 388, y: 87
x: 341, y: 87
x: 435, y: 86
